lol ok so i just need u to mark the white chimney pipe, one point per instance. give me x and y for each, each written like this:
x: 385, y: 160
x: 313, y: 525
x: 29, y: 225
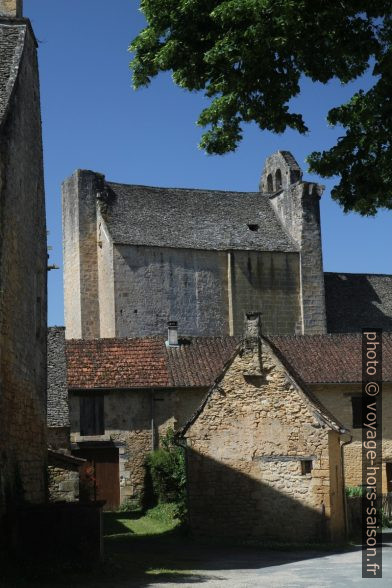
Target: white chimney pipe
x: 172, y: 334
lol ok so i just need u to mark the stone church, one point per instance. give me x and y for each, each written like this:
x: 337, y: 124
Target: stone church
x: 137, y: 257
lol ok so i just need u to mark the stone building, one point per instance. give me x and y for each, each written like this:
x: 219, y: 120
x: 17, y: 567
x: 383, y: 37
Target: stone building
x: 123, y: 394
x: 63, y: 476
x: 23, y: 267
x: 58, y: 427
x: 136, y: 257
x: 263, y: 454
x: 140, y: 387
x: 330, y: 365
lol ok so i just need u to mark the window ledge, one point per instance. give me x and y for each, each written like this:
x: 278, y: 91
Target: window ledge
x: 81, y: 438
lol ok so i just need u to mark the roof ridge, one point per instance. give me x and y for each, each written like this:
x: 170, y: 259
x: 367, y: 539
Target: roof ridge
x: 185, y: 189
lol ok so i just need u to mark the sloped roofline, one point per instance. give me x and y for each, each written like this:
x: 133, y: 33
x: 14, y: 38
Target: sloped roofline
x: 322, y: 412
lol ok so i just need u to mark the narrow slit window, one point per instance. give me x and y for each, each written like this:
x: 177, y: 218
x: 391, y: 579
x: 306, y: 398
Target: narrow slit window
x: 306, y: 466
x: 356, y: 403
x: 278, y: 180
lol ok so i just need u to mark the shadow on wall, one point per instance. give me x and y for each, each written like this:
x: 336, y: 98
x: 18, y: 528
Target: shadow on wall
x: 227, y: 502
x: 352, y: 299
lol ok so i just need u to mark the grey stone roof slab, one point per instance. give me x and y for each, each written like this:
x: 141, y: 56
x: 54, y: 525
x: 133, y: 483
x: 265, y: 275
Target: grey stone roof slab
x: 357, y: 301
x: 194, y: 219
x: 11, y: 47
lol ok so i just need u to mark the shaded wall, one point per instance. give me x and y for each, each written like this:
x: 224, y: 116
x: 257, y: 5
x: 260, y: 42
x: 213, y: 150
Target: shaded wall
x: 23, y: 304
x: 207, y: 292
x: 269, y: 283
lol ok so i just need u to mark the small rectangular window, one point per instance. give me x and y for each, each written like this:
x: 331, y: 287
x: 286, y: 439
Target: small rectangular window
x: 92, y: 415
x: 356, y: 402
x: 306, y: 466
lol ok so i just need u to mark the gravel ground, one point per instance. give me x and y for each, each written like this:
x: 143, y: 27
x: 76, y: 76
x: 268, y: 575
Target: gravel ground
x: 276, y: 569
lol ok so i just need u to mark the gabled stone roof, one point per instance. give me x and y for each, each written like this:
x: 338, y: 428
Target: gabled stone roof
x: 146, y: 362
x: 335, y: 358
x: 12, y: 38
x: 357, y: 301
x: 296, y: 377
x: 195, y: 219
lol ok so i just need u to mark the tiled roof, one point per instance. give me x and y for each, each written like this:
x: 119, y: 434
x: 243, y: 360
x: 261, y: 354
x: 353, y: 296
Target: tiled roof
x: 203, y: 219
x: 146, y: 362
x: 335, y: 358
x: 357, y: 301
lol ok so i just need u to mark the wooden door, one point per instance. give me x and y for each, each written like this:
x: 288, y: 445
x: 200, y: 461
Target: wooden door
x: 99, y: 477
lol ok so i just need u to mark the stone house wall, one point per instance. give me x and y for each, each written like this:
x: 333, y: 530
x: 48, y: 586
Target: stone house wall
x: 23, y: 277
x: 128, y: 426
x: 63, y: 481
x: 245, y: 454
x: 337, y: 398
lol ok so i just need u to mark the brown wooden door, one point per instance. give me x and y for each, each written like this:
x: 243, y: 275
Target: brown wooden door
x: 99, y: 477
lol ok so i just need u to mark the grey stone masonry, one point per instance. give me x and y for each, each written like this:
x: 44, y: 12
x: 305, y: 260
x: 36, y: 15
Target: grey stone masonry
x: 297, y: 204
x: 193, y: 219
x: 80, y: 254
x: 58, y: 411
x: 373, y: 302
x: 23, y: 269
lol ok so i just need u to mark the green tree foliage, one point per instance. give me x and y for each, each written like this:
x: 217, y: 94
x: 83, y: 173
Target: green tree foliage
x: 248, y: 57
x: 167, y: 469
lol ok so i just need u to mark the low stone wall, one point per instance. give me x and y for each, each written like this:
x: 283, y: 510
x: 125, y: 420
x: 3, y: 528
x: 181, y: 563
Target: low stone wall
x: 63, y: 477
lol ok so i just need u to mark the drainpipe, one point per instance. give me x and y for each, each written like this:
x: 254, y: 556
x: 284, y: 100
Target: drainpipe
x: 152, y: 421
x: 344, y: 484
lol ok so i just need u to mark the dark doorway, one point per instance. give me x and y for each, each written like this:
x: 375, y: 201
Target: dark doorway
x: 99, y: 477
x: 388, y: 467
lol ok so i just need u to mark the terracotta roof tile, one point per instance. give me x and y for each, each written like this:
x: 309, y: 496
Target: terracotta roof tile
x: 146, y: 362
x: 330, y: 358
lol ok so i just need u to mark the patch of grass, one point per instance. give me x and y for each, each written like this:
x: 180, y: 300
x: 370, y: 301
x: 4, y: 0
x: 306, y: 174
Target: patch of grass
x: 158, y: 520
x: 353, y: 491
x: 168, y: 572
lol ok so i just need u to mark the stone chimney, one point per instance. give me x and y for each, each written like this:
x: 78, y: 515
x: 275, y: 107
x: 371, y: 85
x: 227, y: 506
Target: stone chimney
x: 251, y: 351
x: 11, y: 8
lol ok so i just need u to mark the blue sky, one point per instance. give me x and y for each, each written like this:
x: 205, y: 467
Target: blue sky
x: 93, y: 119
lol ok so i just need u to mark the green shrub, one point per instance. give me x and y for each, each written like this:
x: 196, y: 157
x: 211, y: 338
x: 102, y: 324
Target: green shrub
x: 166, y: 467
x: 352, y: 491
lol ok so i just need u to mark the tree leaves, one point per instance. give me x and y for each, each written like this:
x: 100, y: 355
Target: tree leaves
x: 248, y: 57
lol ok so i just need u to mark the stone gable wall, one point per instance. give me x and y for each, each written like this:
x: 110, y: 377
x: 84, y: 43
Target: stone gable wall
x: 23, y: 304
x: 244, y: 460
